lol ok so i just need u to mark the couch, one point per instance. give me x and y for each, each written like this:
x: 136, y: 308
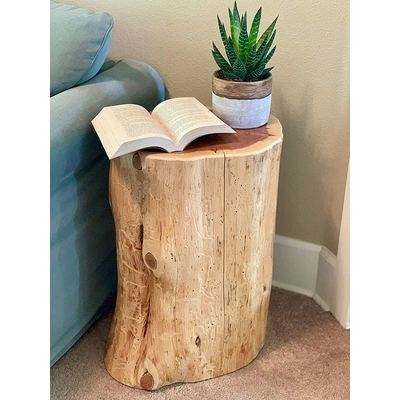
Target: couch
x: 82, y: 238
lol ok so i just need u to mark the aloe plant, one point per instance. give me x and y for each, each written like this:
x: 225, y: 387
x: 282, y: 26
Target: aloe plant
x: 247, y: 57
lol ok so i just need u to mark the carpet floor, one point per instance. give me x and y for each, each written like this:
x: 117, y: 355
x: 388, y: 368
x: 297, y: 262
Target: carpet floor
x: 306, y: 356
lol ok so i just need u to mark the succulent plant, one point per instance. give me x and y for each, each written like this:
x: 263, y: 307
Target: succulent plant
x: 247, y: 56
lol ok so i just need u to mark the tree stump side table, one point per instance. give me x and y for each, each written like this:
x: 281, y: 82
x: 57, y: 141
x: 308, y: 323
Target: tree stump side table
x: 195, y: 233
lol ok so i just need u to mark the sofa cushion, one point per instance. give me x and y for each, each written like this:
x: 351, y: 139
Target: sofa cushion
x: 79, y: 43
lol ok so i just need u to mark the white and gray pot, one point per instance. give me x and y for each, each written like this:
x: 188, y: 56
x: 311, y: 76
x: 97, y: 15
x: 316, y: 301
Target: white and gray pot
x: 242, y: 105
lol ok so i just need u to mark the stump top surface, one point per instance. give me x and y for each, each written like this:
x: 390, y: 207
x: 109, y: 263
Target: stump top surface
x: 244, y: 141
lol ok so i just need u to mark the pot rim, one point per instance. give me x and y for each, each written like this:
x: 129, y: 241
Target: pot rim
x: 241, y: 90
x: 269, y: 76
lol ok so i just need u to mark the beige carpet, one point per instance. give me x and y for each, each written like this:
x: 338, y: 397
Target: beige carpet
x: 306, y: 356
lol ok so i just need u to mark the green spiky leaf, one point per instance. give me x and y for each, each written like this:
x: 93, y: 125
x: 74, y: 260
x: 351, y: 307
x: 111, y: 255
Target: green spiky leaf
x: 254, y: 29
x: 256, y: 73
x: 243, y: 42
x: 239, y: 68
x: 234, y: 19
x: 263, y: 50
x: 220, y: 60
x: 251, y: 60
x: 265, y: 60
x: 265, y: 73
x: 261, y: 65
x: 229, y: 50
x: 243, y: 20
x: 267, y: 33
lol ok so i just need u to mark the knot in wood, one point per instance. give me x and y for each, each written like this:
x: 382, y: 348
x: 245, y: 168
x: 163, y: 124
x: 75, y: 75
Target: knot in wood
x: 136, y: 161
x: 150, y: 261
x: 147, y: 381
x: 198, y: 341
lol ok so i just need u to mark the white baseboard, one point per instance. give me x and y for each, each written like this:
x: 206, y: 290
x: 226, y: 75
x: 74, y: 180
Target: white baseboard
x: 295, y: 265
x: 306, y: 268
x: 325, y: 278
x: 292, y: 288
x: 330, y: 292
x: 320, y: 301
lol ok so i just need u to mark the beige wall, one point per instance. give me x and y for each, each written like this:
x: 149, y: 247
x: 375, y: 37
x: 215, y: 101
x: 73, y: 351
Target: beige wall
x: 310, y: 92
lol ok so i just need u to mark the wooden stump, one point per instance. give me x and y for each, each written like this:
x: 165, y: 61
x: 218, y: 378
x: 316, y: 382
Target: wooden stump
x: 195, y: 233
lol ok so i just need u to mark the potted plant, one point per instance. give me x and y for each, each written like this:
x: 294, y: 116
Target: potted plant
x: 241, y: 88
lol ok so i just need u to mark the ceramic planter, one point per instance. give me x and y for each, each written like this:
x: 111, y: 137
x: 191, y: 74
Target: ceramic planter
x: 242, y: 105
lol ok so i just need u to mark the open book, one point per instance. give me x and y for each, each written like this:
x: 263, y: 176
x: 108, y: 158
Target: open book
x: 171, y: 126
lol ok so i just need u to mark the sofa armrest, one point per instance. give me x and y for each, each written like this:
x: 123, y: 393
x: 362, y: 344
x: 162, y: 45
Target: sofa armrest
x: 73, y: 140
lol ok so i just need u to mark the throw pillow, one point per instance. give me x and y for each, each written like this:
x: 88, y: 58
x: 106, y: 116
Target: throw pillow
x: 79, y: 43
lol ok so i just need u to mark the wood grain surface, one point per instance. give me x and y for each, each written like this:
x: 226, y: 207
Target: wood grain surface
x: 195, y: 232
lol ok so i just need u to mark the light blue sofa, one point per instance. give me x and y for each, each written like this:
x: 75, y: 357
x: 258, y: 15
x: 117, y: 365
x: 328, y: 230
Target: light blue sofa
x: 82, y: 238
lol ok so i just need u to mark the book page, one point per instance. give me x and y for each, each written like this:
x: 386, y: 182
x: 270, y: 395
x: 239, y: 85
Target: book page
x: 132, y: 122
x: 184, y: 114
